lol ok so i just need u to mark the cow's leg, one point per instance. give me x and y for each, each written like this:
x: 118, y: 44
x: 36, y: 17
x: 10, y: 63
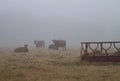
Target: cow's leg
x: 56, y: 47
x: 43, y: 46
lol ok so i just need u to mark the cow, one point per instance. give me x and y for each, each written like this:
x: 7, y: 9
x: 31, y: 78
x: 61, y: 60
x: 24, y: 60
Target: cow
x: 52, y: 46
x: 22, y: 49
x: 59, y: 43
x: 39, y: 43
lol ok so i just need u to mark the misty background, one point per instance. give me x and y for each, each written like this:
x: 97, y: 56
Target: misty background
x: 23, y: 21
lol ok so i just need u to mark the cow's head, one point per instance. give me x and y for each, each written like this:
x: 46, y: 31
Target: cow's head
x: 53, y: 40
x: 35, y: 41
x: 25, y: 45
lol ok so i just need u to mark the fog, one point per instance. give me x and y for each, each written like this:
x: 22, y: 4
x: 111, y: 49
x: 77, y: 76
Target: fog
x: 23, y: 21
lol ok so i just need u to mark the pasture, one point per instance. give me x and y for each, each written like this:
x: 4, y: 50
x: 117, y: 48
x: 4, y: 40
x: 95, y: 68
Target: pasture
x: 53, y: 65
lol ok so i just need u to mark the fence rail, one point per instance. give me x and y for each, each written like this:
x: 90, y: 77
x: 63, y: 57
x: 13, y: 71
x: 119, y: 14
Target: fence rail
x: 104, y: 47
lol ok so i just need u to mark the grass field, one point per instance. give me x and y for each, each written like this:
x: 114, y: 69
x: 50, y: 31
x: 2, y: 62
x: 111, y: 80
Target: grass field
x: 50, y: 65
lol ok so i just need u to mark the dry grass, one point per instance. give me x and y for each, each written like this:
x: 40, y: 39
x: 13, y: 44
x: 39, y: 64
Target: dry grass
x: 49, y: 65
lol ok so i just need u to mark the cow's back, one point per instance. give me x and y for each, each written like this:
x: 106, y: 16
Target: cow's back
x: 21, y: 49
x: 59, y: 42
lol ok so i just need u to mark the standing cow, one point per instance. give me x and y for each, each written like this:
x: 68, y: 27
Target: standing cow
x: 59, y: 44
x: 22, y: 49
x: 39, y: 43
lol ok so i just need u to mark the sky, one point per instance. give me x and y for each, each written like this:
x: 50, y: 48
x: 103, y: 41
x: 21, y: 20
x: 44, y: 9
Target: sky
x: 76, y: 21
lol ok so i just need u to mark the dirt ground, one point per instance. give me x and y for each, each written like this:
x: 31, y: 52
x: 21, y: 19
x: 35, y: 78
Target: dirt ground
x: 51, y: 65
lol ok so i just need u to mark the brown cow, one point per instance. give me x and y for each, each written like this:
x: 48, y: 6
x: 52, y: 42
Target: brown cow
x: 22, y: 49
x: 59, y: 43
x: 39, y: 43
x: 52, y: 46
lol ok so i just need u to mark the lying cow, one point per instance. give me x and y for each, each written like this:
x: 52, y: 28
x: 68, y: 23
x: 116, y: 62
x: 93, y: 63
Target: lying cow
x: 22, y: 49
x: 52, y: 46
